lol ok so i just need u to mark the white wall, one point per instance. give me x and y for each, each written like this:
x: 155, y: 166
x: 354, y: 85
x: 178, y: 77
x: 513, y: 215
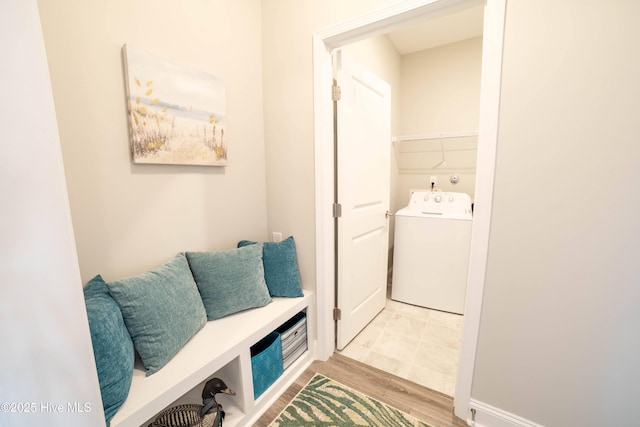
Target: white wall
x: 440, y: 92
x: 46, y: 359
x: 558, y: 338
x: 128, y: 218
x: 441, y: 88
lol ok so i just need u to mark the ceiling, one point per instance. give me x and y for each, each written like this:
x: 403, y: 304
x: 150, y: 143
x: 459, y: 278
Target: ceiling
x: 438, y: 31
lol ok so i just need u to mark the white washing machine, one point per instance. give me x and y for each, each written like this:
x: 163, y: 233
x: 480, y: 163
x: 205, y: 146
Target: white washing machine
x: 431, y: 250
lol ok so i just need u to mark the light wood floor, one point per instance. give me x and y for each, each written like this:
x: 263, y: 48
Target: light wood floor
x: 430, y: 406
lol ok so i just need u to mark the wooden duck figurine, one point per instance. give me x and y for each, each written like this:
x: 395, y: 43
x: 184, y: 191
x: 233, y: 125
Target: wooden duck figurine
x: 209, y: 414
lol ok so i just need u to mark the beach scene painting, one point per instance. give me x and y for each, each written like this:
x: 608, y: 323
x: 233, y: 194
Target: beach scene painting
x: 176, y: 114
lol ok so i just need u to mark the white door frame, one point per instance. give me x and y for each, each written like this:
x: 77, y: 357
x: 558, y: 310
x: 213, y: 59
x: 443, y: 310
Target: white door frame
x: 371, y: 24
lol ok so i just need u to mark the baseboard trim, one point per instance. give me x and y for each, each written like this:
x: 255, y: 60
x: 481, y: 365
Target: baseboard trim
x: 490, y: 416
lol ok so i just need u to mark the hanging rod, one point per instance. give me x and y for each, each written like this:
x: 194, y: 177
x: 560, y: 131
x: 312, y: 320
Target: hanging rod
x: 435, y: 136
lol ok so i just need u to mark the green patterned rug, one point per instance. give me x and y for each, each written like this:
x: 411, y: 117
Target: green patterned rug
x: 325, y: 402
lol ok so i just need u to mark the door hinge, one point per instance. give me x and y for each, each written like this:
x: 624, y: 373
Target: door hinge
x: 337, y: 313
x: 337, y: 210
x: 336, y: 93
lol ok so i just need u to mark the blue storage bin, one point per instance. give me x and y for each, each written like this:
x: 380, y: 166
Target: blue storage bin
x: 266, y: 362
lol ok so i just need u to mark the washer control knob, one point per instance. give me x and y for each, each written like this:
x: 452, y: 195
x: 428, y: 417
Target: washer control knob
x: 426, y: 198
x: 450, y: 199
x: 438, y: 198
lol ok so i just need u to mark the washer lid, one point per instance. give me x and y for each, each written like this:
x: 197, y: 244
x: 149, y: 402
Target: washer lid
x: 435, y: 204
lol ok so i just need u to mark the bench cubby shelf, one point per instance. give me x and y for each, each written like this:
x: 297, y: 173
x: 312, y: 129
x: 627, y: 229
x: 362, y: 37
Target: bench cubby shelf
x: 220, y: 349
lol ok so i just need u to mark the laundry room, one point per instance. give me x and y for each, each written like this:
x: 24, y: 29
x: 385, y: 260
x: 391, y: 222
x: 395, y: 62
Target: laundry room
x: 435, y: 97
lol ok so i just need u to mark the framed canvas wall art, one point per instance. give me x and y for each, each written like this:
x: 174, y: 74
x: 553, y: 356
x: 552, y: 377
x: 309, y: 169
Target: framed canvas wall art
x: 176, y: 114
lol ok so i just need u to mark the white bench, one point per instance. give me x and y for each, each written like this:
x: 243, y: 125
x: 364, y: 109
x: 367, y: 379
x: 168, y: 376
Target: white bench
x: 220, y: 349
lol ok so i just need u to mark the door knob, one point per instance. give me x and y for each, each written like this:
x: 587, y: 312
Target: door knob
x: 388, y: 214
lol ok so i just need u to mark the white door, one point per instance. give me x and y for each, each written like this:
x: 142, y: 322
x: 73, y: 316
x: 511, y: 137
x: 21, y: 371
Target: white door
x: 363, y: 156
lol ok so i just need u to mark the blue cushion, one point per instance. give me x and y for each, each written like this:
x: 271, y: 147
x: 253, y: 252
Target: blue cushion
x: 162, y: 310
x: 112, y: 346
x: 280, y: 267
x: 230, y: 281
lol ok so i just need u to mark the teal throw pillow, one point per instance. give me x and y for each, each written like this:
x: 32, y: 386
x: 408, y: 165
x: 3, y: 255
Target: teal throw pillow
x: 162, y: 310
x: 230, y: 281
x: 280, y: 267
x: 112, y: 346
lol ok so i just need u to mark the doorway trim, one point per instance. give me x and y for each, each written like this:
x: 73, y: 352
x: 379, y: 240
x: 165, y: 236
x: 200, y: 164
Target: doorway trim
x: 375, y: 23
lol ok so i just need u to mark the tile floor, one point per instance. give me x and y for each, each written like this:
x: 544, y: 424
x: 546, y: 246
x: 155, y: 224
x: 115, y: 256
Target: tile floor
x: 414, y: 343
